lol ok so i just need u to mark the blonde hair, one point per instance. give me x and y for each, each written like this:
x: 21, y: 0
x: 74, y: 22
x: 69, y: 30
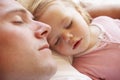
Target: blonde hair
x: 38, y: 7
x: 31, y: 5
x: 44, y: 4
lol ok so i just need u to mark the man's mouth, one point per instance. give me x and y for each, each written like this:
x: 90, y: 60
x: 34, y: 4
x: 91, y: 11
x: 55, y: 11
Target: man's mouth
x: 45, y: 46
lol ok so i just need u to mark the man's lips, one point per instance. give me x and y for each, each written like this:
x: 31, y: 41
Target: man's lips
x: 77, y: 44
x: 45, y: 46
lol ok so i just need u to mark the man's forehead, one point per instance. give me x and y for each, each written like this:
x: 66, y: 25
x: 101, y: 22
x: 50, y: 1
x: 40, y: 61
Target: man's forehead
x: 11, y: 6
x: 6, y: 3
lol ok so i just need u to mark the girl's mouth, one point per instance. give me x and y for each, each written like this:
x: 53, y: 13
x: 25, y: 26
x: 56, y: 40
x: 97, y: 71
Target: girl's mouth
x: 77, y: 44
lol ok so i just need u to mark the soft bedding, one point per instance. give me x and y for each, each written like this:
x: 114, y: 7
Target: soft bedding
x: 65, y: 70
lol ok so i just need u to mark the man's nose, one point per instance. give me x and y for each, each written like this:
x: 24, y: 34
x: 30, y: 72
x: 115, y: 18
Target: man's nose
x: 42, y: 30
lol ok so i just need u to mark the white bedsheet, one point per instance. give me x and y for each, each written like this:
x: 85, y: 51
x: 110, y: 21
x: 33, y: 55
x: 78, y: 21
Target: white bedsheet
x: 101, y: 1
x: 65, y: 71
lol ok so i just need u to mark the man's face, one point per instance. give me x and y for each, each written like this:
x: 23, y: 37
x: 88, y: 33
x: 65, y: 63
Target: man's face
x: 24, y: 51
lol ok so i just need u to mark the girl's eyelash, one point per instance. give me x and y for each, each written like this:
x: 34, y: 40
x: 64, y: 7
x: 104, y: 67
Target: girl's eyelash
x: 57, y: 41
x: 69, y: 25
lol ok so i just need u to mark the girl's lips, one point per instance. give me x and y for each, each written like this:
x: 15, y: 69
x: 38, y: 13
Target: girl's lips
x: 77, y: 44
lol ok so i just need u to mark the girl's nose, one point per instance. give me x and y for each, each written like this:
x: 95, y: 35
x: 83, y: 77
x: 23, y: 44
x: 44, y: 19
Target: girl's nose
x: 42, y: 30
x: 67, y: 36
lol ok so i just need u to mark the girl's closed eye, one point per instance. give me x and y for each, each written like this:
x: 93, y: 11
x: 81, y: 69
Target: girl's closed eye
x: 69, y: 25
x: 57, y: 41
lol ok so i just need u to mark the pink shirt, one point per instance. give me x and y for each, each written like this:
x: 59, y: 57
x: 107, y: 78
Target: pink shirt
x: 103, y: 63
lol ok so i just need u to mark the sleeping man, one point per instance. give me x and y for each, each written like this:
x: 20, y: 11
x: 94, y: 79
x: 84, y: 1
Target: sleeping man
x: 24, y: 51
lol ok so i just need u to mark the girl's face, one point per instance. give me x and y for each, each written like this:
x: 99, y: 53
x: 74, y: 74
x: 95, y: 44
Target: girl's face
x: 70, y: 32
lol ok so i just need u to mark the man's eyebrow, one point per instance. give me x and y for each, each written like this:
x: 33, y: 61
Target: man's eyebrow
x: 20, y: 11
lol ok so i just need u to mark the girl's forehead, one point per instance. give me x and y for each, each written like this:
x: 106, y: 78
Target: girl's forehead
x: 57, y: 7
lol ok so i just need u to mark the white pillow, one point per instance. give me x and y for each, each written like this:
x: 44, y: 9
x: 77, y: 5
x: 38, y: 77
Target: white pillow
x: 65, y: 71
